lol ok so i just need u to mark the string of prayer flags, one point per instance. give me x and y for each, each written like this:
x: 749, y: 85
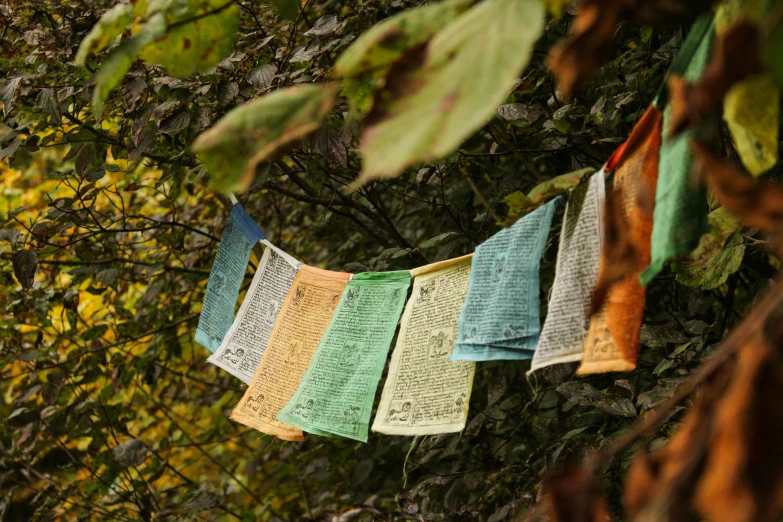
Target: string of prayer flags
x: 243, y: 346
x: 576, y: 271
x: 226, y: 276
x: 613, y: 336
x: 500, y: 317
x: 751, y: 108
x: 302, y: 320
x: 425, y: 393
x: 680, y: 215
x: 336, y: 394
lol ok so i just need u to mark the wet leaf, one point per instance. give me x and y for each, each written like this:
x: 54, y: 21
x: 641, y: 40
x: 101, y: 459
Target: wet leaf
x: 260, y: 130
x: 325, y: 26
x: 441, y: 92
x: 25, y: 263
x: 130, y: 453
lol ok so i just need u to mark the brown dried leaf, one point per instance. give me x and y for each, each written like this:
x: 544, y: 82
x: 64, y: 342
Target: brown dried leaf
x: 659, y: 486
x: 736, y: 57
x: 589, y: 45
x: 756, y: 203
x: 590, y: 42
x: 572, y: 495
x: 666, y: 12
x: 743, y: 476
x: 619, y: 252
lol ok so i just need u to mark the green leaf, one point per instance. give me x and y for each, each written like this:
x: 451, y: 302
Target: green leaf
x: 438, y: 239
x: 773, y: 47
x: 197, y: 38
x: 718, y: 255
x: 259, y: 131
x: 385, y: 42
x: 120, y: 59
x: 94, y: 332
x: 109, y: 27
x: 439, y: 94
x: 556, y: 7
x: 520, y: 204
x: 288, y: 9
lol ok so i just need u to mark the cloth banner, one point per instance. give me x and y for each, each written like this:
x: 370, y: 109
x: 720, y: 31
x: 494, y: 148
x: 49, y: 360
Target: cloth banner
x: 225, y: 277
x: 576, y: 271
x: 336, y: 394
x: 425, y: 393
x: 613, y: 337
x: 300, y: 325
x: 243, y: 346
x: 500, y: 317
x: 680, y: 216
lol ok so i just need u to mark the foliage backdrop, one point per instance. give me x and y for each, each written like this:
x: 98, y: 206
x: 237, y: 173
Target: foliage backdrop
x: 111, y: 411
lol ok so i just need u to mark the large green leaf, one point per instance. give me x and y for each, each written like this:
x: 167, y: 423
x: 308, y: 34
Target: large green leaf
x: 773, y: 48
x: 385, y: 42
x: 110, y: 26
x: 120, y: 59
x: 261, y: 130
x: 440, y: 93
x: 718, y: 255
x: 197, y: 38
x: 520, y: 204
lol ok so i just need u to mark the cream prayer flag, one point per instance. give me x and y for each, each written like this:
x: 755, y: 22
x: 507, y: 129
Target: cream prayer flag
x: 576, y: 271
x: 245, y: 343
x: 301, y: 323
x: 425, y: 393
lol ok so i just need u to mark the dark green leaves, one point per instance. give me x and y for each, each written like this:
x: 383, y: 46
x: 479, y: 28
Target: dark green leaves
x: 25, y: 262
x: 260, y: 131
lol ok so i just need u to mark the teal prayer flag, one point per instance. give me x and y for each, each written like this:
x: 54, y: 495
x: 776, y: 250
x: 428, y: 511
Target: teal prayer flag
x: 225, y: 278
x: 500, y: 317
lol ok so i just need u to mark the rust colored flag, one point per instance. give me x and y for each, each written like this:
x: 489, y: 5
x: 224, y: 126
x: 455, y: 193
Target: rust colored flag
x: 613, y: 336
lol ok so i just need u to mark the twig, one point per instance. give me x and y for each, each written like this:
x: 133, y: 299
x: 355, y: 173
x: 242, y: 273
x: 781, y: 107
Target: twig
x: 647, y: 425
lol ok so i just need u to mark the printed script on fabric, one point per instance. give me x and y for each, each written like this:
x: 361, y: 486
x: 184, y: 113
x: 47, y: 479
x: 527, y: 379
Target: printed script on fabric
x: 613, y: 337
x: 337, y: 392
x: 242, y: 348
x: 302, y: 321
x: 500, y: 318
x: 680, y: 215
x: 425, y: 393
x: 576, y: 270
x: 225, y: 279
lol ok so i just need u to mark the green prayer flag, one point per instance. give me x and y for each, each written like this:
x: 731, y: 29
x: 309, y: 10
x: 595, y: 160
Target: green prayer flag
x: 680, y: 216
x: 336, y: 394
